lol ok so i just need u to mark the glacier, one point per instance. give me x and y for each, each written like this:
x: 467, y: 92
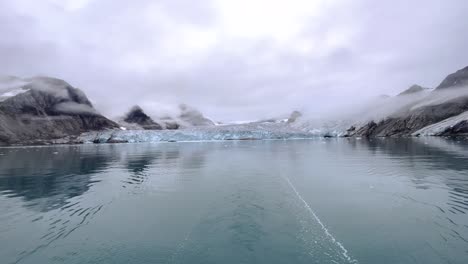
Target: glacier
x: 250, y: 131
x: 246, y: 131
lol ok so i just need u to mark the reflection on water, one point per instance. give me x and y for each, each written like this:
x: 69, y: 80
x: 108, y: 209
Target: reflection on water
x: 137, y: 166
x: 447, y: 160
x: 47, y: 177
x: 229, y: 202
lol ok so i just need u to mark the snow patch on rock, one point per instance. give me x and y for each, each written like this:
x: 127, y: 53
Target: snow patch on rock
x: 438, y: 128
x: 12, y: 93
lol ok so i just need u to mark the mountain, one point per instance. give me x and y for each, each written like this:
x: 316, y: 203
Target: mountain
x: 413, y: 90
x: 138, y: 117
x: 192, y: 117
x: 454, y: 80
x: 414, y: 115
x: 40, y: 109
x: 186, y: 116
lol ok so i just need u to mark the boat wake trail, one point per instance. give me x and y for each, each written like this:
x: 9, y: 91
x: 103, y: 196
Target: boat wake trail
x: 344, y: 251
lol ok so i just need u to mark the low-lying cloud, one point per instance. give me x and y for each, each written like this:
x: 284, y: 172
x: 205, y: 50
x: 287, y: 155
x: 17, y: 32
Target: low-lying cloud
x: 75, y: 108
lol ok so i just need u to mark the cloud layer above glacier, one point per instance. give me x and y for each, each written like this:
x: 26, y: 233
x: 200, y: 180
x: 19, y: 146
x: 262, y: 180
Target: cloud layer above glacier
x: 234, y: 60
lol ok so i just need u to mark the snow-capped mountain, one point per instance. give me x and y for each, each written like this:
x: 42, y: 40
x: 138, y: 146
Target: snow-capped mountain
x: 37, y: 110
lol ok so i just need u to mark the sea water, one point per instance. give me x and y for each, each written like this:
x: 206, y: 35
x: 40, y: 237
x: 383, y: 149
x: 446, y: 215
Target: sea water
x: 279, y: 201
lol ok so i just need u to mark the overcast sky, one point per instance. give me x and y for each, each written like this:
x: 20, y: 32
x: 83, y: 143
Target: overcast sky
x: 234, y: 59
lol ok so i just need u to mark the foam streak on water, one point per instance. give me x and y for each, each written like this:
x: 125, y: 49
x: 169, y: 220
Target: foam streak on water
x: 324, y: 228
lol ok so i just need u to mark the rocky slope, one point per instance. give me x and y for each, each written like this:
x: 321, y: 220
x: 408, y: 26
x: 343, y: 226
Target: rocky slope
x: 138, y: 117
x: 457, y: 79
x: 42, y: 109
x: 185, y: 117
x: 449, y: 99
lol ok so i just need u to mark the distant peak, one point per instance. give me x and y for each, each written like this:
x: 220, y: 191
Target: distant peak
x: 136, y: 108
x: 136, y: 112
x: 413, y: 89
x: 456, y: 79
x: 136, y: 115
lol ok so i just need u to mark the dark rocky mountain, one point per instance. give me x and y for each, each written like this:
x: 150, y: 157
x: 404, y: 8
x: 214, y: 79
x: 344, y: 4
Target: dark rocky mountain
x: 40, y: 109
x: 454, y: 80
x: 186, y: 117
x: 138, y: 116
x: 410, y: 118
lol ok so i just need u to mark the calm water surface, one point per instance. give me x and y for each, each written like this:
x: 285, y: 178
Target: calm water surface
x: 303, y: 201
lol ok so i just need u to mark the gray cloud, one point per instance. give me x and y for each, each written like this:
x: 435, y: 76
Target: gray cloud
x: 234, y: 59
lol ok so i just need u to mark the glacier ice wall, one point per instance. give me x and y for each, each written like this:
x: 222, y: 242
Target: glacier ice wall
x: 252, y: 131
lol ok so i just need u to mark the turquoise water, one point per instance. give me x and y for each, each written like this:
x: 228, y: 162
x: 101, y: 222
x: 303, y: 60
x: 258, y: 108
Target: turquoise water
x: 299, y: 201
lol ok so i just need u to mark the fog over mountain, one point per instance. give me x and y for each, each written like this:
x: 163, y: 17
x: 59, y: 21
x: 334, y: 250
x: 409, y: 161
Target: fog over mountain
x: 234, y: 60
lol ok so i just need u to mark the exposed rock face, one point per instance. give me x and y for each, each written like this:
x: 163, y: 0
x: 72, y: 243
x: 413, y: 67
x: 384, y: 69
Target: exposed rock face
x: 419, y: 114
x: 186, y: 117
x: 366, y: 130
x: 37, y: 110
x: 459, y: 129
x: 412, y: 90
x: 457, y: 79
x: 411, y: 121
x: 137, y: 116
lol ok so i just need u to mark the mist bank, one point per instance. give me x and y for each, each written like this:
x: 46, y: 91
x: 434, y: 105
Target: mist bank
x: 45, y: 110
